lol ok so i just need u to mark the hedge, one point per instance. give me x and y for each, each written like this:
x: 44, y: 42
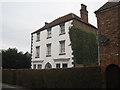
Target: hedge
x: 89, y: 77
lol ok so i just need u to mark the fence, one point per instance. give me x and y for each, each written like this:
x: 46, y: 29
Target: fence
x: 89, y: 77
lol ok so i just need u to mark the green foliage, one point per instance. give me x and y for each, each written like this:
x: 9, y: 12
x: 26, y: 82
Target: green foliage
x: 84, y: 46
x: 13, y: 59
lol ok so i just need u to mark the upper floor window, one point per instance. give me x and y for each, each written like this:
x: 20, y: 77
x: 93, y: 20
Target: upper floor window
x: 37, y: 51
x: 62, y: 28
x: 49, y: 33
x: 48, y: 50
x: 38, y: 36
x: 62, y: 47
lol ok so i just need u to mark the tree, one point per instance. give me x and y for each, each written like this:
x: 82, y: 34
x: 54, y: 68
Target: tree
x: 13, y: 59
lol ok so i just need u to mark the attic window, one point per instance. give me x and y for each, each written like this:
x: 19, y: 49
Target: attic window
x: 62, y: 28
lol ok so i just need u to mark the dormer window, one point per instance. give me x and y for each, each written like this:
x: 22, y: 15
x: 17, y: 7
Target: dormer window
x: 49, y: 33
x: 62, y: 28
x: 38, y: 36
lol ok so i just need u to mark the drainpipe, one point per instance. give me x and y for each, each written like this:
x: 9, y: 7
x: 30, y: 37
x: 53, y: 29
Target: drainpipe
x: 98, y: 49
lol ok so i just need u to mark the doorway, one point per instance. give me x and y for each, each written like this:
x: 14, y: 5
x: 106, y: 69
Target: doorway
x: 112, y: 76
x: 48, y: 66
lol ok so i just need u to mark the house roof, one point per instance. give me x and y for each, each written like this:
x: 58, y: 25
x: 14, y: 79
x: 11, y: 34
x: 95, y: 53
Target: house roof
x: 107, y: 6
x: 62, y: 19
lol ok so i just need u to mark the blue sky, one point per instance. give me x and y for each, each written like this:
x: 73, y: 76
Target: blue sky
x: 19, y: 18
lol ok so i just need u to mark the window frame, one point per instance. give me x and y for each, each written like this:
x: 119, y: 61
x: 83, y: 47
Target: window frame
x: 38, y: 36
x: 40, y: 66
x: 62, y: 29
x: 34, y: 66
x: 49, y: 33
x: 37, y: 52
x: 58, y: 64
x: 62, y: 49
x: 64, y: 64
x: 48, y: 54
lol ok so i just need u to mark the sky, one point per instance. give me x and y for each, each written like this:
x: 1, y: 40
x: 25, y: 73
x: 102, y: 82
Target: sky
x: 19, y: 18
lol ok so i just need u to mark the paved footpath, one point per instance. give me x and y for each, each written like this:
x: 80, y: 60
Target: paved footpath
x: 12, y: 87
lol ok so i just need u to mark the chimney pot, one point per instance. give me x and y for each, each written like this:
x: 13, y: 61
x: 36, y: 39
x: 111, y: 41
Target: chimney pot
x: 83, y: 7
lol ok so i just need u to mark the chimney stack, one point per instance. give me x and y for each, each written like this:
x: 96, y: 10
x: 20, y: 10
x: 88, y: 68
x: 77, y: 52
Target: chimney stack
x: 84, y: 13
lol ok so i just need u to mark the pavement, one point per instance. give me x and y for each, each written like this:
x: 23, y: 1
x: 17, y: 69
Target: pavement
x: 12, y: 87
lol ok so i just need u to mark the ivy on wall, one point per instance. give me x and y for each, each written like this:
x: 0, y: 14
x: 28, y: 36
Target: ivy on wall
x: 84, y: 46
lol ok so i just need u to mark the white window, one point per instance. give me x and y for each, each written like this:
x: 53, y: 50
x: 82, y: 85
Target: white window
x: 65, y: 65
x: 48, y: 49
x: 37, y: 51
x: 39, y: 66
x: 62, y: 47
x: 58, y: 65
x: 34, y: 66
x: 49, y: 33
x: 62, y: 29
x: 38, y: 36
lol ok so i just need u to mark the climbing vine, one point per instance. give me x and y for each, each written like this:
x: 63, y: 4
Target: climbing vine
x: 84, y: 46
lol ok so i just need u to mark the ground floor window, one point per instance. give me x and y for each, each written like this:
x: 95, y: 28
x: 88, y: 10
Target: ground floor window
x: 39, y: 66
x: 65, y: 65
x: 58, y: 65
x: 34, y: 66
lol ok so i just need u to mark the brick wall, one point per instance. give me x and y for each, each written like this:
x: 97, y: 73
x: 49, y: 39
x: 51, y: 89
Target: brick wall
x: 108, y: 25
x: 84, y: 26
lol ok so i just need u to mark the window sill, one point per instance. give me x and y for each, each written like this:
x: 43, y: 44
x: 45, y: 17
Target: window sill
x: 49, y: 37
x: 37, y: 57
x: 62, y: 54
x: 37, y: 40
x: 48, y: 55
x: 61, y: 33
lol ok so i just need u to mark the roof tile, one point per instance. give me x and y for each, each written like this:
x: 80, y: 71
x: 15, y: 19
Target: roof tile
x: 62, y: 19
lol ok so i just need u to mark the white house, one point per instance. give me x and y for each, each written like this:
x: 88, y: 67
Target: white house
x: 50, y: 45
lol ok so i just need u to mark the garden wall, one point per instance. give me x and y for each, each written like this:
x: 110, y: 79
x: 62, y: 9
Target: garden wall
x: 89, y: 77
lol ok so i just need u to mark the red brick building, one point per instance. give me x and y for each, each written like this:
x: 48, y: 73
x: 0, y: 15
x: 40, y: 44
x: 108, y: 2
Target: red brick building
x: 108, y: 17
